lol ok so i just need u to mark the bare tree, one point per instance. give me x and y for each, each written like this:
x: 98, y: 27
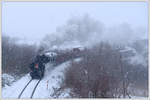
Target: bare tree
x: 94, y: 76
x: 16, y: 57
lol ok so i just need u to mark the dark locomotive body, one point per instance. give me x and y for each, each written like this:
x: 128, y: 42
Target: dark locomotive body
x: 38, y: 66
x: 36, y: 72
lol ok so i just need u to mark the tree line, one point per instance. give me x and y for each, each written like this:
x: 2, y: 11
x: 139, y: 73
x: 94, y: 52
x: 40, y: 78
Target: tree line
x: 16, y: 57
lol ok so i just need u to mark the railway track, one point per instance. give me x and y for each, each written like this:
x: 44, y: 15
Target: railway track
x: 27, y: 86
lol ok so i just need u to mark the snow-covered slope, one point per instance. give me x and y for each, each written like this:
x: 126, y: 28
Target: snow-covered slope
x: 52, y: 79
x: 7, y: 79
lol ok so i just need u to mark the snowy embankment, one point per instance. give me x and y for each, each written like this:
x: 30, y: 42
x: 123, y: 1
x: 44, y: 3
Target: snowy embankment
x: 14, y: 90
x: 7, y: 79
x: 52, y: 79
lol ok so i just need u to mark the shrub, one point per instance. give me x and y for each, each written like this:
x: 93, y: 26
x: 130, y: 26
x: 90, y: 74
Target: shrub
x: 97, y: 75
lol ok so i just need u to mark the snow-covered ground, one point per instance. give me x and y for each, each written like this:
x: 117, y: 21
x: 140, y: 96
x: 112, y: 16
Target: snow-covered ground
x: 7, y: 79
x: 53, y: 78
x: 14, y: 90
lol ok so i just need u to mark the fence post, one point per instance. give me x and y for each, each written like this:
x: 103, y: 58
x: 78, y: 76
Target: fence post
x: 47, y: 84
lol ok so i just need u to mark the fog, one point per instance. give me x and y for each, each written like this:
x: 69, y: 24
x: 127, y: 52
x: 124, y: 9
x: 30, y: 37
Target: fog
x: 116, y: 22
x: 100, y: 48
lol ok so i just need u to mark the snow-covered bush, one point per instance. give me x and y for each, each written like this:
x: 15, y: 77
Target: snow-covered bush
x: 7, y: 79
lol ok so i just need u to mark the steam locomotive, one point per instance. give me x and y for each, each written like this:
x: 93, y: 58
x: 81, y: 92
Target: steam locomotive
x: 37, y: 67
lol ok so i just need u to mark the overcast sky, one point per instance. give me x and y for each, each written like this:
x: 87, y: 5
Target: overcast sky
x: 33, y: 20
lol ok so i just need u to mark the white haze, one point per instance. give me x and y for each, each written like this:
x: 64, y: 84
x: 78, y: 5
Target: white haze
x: 86, y: 31
x: 118, y: 22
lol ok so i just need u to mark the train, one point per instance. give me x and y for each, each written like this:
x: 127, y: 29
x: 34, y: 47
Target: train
x: 38, y: 66
x: 55, y: 57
